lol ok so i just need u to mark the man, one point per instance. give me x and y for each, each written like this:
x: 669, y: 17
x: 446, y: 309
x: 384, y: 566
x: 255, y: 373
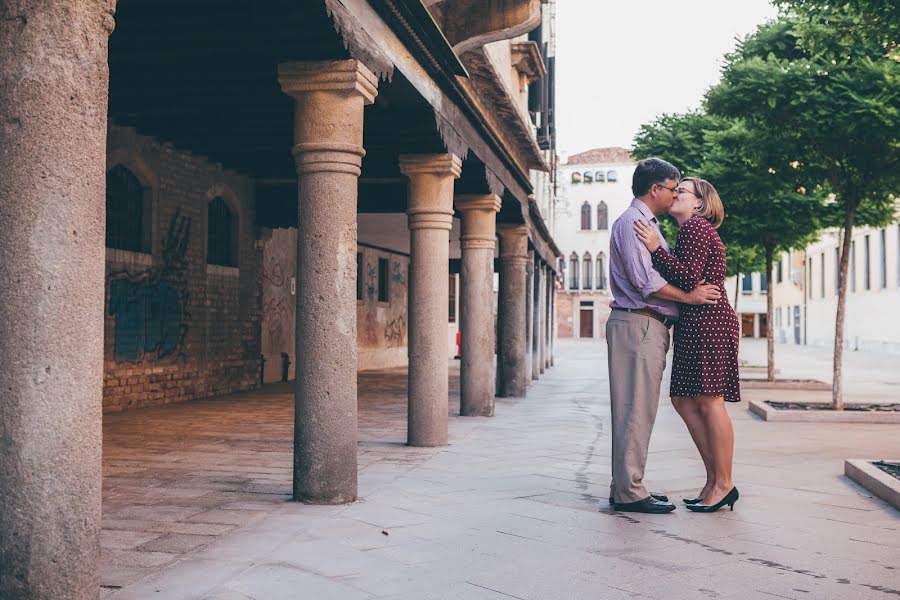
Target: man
x: 644, y: 307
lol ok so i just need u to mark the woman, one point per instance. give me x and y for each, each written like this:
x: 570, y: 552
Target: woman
x: 705, y: 363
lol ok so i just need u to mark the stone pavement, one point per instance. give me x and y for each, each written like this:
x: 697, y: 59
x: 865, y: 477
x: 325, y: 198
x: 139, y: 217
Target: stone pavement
x: 195, y: 505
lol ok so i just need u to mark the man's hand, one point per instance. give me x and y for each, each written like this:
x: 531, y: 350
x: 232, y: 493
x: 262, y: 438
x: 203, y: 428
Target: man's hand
x: 704, y: 293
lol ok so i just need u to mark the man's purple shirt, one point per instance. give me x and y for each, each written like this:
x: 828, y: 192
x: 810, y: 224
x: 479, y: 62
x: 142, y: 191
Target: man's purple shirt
x: 632, y: 277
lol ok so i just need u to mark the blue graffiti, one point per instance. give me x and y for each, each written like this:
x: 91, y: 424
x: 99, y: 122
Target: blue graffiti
x: 151, y: 307
x: 398, y: 277
x: 370, y: 281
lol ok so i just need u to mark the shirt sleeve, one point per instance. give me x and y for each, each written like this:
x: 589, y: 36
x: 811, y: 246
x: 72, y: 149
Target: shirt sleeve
x: 637, y: 264
x: 684, y: 268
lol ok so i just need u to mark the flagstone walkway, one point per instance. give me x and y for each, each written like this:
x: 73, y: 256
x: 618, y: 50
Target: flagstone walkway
x: 196, y: 505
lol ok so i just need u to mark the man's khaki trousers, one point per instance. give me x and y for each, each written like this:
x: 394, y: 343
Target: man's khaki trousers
x: 637, y: 347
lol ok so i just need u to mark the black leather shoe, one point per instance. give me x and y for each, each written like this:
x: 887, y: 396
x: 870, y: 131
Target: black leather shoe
x: 659, y: 497
x: 647, y: 505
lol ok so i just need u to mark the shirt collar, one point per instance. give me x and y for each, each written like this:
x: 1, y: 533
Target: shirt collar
x: 644, y: 210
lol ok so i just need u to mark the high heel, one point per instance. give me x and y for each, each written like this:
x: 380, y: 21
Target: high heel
x: 729, y: 499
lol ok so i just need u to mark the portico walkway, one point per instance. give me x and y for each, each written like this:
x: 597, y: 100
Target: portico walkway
x: 195, y: 505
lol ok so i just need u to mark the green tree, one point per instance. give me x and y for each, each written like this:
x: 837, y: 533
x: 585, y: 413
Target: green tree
x: 825, y: 84
x: 767, y: 207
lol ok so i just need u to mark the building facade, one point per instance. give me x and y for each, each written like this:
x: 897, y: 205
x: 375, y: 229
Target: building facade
x: 202, y: 217
x: 595, y: 189
x: 805, y: 287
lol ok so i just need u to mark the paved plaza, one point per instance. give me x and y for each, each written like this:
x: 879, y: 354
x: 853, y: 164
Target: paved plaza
x: 196, y: 501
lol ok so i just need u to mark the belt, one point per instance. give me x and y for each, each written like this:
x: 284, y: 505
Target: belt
x: 649, y: 312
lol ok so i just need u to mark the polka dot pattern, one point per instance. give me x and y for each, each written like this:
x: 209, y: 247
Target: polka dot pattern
x: 706, y: 336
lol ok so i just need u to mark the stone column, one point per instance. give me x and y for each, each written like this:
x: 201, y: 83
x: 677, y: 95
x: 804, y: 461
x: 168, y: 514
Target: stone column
x: 511, y: 304
x: 477, y: 364
x: 53, y: 105
x: 328, y: 125
x: 552, y: 318
x: 534, y: 342
x: 542, y: 288
x: 430, y: 212
x: 529, y: 317
x: 548, y: 313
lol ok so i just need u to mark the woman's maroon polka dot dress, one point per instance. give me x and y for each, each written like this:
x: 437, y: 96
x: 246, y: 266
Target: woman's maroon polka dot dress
x: 706, y: 337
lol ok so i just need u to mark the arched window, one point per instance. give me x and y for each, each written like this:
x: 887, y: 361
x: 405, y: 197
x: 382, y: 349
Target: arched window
x: 599, y: 177
x: 586, y: 271
x: 602, y: 216
x: 588, y: 177
x: 601, y: 271
x: 612, y: 176
x: 221, y: 234
x: 573, y: 272
x: 585, y: 216
x: 576, y: 177
x: 127, y: 213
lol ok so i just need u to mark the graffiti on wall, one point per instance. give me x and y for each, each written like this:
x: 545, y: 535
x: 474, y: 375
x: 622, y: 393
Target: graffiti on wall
x: 370, y: 281
x: 394, y: 332
x: 151, y: 306
x: 276, y: 309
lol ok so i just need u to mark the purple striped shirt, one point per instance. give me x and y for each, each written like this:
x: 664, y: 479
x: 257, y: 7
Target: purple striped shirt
x: 632, y: 277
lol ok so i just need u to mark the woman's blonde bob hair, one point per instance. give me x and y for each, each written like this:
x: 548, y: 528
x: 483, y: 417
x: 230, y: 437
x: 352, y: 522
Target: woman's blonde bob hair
x: 710, y: 207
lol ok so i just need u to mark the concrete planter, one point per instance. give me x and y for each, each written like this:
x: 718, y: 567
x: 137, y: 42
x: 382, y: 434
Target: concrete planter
x: 863, y: 472
x: 785, y: 384
x: 770, y: 413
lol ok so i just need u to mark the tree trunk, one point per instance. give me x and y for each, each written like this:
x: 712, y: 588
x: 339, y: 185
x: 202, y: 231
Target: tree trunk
x: 737, y: 288
x: 837, y: 391
x: 770, y: 325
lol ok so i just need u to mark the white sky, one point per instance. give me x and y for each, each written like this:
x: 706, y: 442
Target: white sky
x: 621, y: 63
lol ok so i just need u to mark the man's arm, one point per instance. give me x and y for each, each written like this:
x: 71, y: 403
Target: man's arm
x: 704, y: 293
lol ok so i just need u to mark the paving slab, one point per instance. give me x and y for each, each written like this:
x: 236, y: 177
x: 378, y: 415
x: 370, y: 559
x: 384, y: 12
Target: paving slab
x: 515, y: 507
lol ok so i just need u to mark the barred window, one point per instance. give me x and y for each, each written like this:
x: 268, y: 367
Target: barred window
x: 601, y: 271
x: 126, y: 212
x: 221, y: 235
x: 384, y: 280
x: 573, y: 272
x: 586, y: 275
x: 359, y: 275
x: 585, y: 216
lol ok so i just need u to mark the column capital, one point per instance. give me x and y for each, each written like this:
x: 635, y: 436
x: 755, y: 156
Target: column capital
x: 472, y: 202
x: 479, y: 220
x: 431, y: 164
x: 513, y: 243
x: 344, y: 77
x: 328, y: 113
x: 431, y: 176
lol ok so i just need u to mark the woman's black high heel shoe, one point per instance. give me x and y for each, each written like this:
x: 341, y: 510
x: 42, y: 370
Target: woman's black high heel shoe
x: 729, y: 499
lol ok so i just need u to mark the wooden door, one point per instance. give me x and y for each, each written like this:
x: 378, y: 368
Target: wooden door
x: 587, y: 323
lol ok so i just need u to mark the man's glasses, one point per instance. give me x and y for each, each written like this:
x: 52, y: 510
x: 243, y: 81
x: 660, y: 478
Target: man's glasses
x: 674, y: 190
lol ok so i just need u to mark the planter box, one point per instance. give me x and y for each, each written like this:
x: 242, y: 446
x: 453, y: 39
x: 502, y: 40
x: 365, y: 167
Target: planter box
x: 874, y: 479
x: 785, y: 384
x: 770, y: 413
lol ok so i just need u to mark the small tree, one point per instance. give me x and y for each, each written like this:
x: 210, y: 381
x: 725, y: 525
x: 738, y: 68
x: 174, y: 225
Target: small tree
x: 767, y: 209
x: 826, y: 83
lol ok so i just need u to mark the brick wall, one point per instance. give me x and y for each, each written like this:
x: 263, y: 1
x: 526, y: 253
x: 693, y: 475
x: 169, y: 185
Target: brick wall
x: 177, y: 328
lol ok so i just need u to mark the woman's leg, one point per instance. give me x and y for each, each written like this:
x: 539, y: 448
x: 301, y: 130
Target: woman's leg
x: 720, y: 438
x: 690, y: 414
